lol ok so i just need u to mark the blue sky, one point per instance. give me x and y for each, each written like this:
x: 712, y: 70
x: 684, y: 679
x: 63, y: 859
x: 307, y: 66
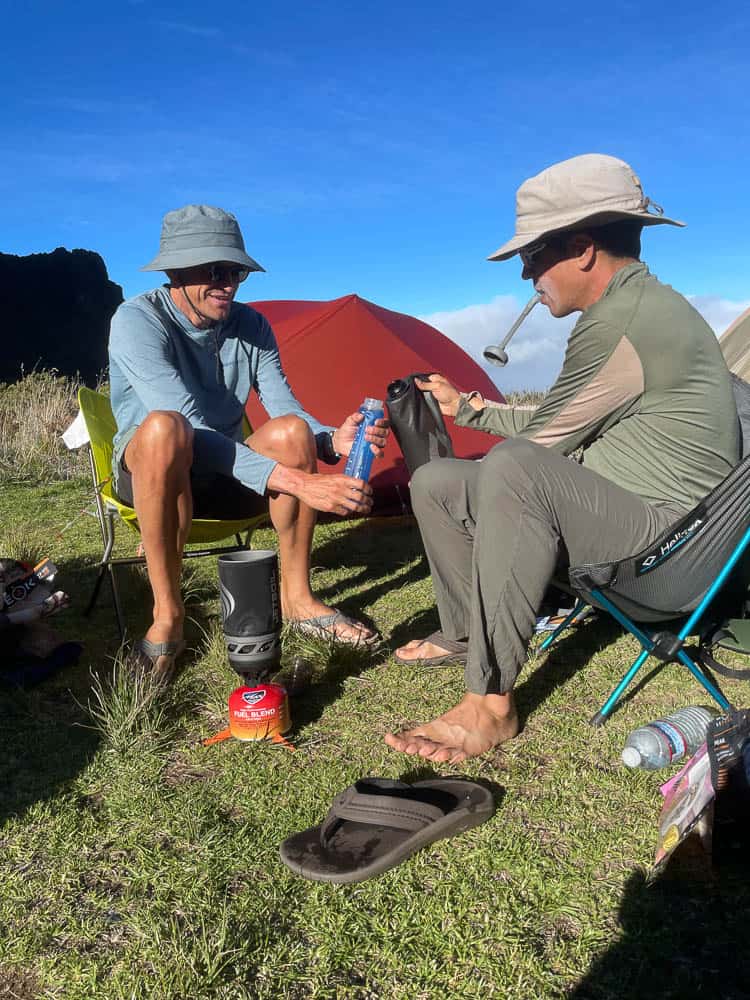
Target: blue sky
x: 374, y: 147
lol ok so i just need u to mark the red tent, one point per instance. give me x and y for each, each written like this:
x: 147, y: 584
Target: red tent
x: 336, y: 353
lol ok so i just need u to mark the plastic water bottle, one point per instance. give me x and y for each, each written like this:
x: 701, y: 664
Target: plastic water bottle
x: 667, y: 740
x: 360, y: 457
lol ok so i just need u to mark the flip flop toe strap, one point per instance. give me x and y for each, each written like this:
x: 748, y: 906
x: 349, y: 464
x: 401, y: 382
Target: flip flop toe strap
x: 376, y: 809
x: 156, y: 649
x: 449, y: 645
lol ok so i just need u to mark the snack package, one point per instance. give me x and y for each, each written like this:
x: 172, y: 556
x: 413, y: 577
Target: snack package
x: 687, y: 796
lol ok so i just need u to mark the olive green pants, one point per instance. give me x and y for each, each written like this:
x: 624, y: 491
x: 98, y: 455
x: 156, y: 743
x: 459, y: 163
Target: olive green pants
x: 497, y: 531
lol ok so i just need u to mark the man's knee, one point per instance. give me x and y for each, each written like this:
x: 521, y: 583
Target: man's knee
x: 290, y: 436
x: 163, y: 440
x: 433, y: 482
x: 510, y: 466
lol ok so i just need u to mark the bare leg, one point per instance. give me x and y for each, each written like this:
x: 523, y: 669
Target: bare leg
x: 290, y: 442
x: 478, y: 723
x: 159, y: 458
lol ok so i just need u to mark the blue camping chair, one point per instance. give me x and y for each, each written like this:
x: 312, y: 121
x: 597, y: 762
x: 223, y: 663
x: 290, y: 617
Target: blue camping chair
x: 676, y: 587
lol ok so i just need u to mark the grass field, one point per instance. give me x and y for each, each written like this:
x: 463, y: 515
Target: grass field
x: 136, y: 863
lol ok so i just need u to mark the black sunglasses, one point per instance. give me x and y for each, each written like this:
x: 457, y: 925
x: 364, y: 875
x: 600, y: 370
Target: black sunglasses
x: 530, y: 254
x: 226, y: 274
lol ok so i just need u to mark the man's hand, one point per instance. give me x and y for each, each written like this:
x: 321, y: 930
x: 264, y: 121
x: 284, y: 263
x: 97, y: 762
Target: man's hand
x: 337, y: 494
x: 377, y: 434
x: 444, y: 392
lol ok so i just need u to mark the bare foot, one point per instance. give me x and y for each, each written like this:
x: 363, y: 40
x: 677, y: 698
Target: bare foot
x: 475, y: 725
x: 342, y: 628
x: 420, y: 649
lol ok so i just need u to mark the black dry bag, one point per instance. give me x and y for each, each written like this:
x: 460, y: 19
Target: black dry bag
x: 417, y: 422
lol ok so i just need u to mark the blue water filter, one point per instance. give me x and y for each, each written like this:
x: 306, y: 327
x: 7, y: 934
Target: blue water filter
x: 359, y: 462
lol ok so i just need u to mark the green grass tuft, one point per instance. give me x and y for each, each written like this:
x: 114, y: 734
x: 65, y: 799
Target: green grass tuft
x: 128, y: 708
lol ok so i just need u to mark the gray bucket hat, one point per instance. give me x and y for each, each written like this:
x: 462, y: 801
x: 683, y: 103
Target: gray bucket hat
x: 592, y: 189
x: 200, y: 234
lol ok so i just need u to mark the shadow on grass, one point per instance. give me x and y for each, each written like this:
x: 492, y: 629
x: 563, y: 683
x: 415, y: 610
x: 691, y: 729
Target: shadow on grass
x: 44, y: 742
x: 684, y: 935
x: 427, y: 773
x: 567, y: 657
x: 331, y: 665
x: 46, y: 736
x: 378, y: 546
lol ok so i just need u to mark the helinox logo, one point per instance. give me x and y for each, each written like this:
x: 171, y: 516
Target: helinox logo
x: 668, y: 547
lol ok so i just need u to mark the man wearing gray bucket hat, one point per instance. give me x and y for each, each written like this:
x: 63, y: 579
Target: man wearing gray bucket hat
x: 183, y: 361
x: 644, y: 397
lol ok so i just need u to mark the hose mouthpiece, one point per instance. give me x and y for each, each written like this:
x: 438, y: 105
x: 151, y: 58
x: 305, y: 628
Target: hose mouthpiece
x: 495, y: 353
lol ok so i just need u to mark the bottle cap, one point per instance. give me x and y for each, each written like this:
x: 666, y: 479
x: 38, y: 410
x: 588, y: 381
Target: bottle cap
x: 372, y: 404
x: 631, y: 757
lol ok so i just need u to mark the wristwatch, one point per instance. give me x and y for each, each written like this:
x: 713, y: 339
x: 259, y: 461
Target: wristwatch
x: 326, y: 451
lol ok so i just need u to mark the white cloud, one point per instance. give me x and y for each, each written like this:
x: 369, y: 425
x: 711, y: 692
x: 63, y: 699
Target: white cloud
x: 718, y: 312
x: 535, y: 354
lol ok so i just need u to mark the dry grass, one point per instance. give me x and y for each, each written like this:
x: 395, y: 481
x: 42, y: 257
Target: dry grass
x: 34, y: 412
x: 525, y: 397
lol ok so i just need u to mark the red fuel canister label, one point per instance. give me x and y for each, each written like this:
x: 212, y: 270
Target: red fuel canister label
x: 259, y: 712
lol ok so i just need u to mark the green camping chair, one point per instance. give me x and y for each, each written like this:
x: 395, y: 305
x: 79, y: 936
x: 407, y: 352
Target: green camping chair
x: 100, y: 424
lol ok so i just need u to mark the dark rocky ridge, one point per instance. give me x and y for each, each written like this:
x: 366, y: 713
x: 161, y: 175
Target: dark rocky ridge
x: 56, y: 309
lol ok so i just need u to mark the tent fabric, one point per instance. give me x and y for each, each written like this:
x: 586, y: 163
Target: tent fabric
x: 735, y: 345
x: 338, y: 352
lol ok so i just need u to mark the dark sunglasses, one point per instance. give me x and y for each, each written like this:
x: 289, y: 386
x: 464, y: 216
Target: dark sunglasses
x: 530, y: 254
x: 225, y: 274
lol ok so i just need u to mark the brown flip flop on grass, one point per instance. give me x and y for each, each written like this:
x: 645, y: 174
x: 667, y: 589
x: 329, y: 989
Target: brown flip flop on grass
x: 376, y: 823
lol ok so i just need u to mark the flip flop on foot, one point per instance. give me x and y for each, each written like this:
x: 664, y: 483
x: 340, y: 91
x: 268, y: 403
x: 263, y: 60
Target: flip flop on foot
x: 328, y: 627
x: 157, y: 659
x: 456, y: 651
x: 376, y: 823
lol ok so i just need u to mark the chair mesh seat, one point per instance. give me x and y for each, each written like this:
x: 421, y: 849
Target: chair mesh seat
x: 670, y: 577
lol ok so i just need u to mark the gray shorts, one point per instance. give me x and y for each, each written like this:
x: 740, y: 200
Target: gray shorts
x: 215, y: 497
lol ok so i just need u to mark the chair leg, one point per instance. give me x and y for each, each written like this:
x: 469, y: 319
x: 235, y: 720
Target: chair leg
x: 579, y: 606
x: 604, y: 712
x: 108, y: 536
x: 712, y: 689
x: 116, y: 602
x: 95, y: 592
x: 106, y: 567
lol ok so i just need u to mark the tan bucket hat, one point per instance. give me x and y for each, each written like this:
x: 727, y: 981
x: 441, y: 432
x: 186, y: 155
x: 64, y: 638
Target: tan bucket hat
x: 593, y: 189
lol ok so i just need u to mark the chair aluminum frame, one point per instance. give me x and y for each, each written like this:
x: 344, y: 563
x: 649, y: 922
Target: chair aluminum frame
x: 649, y: 639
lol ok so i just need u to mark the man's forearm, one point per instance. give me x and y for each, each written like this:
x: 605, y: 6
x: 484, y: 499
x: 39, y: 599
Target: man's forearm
x: 286, y: 480
x: 332, y: 494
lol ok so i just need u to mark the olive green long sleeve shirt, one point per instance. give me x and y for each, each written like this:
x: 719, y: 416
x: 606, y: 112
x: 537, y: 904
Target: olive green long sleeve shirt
x: 644, y: 390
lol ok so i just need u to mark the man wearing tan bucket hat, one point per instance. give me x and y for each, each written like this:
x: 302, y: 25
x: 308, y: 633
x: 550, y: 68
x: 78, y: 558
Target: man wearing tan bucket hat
x: 644, y: 393
x: 183, y: 360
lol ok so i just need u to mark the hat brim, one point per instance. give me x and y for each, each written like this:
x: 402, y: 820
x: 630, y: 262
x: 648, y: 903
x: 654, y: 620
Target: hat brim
x: 521, y: 241
x: 174, y: 260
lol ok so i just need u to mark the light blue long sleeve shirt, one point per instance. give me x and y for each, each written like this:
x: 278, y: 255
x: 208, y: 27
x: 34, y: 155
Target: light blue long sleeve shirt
x: 159, y: 361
